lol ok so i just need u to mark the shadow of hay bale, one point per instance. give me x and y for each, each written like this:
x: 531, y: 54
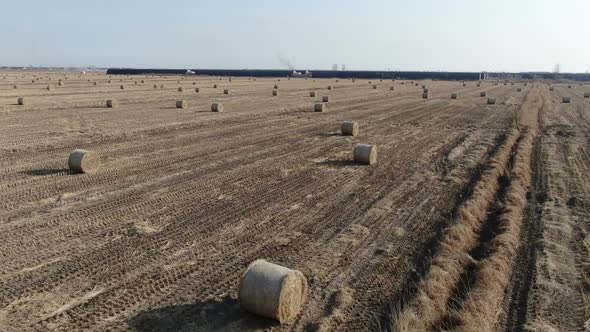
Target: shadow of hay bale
x: 340, y: 163
x: 329, y: 134
x: 45, y: 172
x: 210, y: 315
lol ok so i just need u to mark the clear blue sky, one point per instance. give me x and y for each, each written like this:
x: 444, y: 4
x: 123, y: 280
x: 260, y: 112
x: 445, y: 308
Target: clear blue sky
x: 450, y: 35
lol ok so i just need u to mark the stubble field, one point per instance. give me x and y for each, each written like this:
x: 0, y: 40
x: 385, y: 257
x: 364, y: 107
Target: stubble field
x: 473, y: 213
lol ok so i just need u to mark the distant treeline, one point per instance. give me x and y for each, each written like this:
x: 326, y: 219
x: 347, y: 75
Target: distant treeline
x: 412, y: 75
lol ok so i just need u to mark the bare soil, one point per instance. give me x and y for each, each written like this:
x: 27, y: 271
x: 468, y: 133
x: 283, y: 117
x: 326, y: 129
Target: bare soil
x: 185, y: 199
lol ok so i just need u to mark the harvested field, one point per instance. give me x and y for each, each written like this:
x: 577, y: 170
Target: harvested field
x: 185, y: 200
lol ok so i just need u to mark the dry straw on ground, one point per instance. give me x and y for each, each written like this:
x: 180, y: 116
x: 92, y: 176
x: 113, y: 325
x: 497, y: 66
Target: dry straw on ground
x: 479, y: 312
x: 436, y: 288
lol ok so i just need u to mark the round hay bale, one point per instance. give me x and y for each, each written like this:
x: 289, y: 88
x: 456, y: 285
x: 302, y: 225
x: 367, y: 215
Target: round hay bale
x: 320, y: 107
x: 464, y: 84
x: 417, y: 84
x: 82, y: 161
x: 95, y: 83
x: 329, y: 87
x: 217, y: 107
x: 453, y: 96
x: 179, y: 89
x: 214, y: 86
x: 491, y: 100
x: 425, y: 95
x: 226, y: 92
x: 15, y: 86
x: 135, y: 82
x: 181, y: 104
x: 350, y: 128
x: 325, y: 99
x: 312, y: 93
x: 365, y: 154
x: 569, y: 86
x: 194, y: 83
x: 551, y: 89
x: 197, y: 90
x: 587, y: 95
x: 109, y: 81
x: 374, y: 87
x: 566, y: 100
x: 425, y: 90
x: 275, y: 92
x: 518, y: 89
x: 161, y: 86
x: 276, y: 87
x: 423, y: 86
x: 142, y: 81
x: 48, y: 88
x: 122, y: 87
x: 20, y: 101
x: 155, y: 86
x: 391, y: 88
x: 60, y: 83
x: 112, y: 103
x: 272, y: 291
x: 483, y: 94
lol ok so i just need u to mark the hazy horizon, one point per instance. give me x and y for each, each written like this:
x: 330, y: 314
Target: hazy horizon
x: 457, y: 35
